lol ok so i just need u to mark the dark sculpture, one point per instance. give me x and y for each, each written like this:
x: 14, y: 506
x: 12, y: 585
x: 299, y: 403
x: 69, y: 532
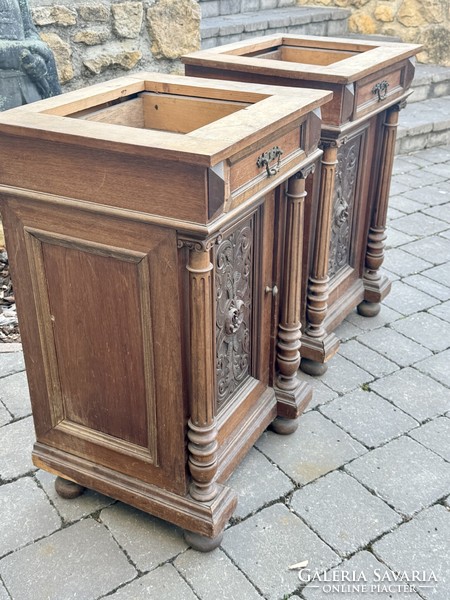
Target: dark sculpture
x: 27, y: 66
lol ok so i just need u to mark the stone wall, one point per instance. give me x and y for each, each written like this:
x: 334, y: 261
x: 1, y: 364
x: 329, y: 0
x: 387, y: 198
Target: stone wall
x: 419, y: 21
x: 99, y: 40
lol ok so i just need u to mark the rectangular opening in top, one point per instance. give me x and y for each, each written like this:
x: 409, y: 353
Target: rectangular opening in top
x: 161, y: 112
x: 306, y: 55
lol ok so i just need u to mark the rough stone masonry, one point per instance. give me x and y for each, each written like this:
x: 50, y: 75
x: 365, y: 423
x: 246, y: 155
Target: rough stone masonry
x: 96, y: 41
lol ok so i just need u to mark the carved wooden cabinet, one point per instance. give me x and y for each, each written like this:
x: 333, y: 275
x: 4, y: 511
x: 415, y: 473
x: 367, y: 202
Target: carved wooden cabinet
x: 148, y: 233
x: 346, y: 227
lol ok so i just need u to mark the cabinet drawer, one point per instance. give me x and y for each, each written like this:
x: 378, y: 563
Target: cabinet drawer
x: 379, y: 89
x: 269, y: 161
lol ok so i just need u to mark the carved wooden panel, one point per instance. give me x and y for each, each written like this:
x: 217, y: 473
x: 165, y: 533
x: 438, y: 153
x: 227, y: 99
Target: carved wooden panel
x: 234, y: 297
x: 343, y: 205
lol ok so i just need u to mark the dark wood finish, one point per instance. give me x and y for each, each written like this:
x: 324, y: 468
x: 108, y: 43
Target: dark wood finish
x: 141, y: 256
x: 370, y: 82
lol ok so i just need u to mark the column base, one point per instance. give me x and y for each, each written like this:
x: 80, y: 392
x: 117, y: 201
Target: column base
x: 291, y: 403
x: 68, y: 489
x: 376, y: 290
x: 316, y: 352
x: 201, y: 543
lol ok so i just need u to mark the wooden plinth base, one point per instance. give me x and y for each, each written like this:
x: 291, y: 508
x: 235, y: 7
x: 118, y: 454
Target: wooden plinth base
x: 204, y: 518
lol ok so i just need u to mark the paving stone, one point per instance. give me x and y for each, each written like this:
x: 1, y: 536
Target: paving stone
x: 257, y: 482
x: 434, y: 249
x: 368, y: 418
x: 346, y: 331
x: 421, y: 544
x: 82, y: 561
x: 163, y: 582
x: 343, y: 513
x: 265, y: 545
x: 372, y: 572
x: 405, y: 205
x: 407, y: 300
x: 441, y: 212
x: 398, y: 188
x: 403, y: 165
x: 15, y: 395
x: 394, y: 346
x: 148, y: 541
x: 389, y: 274
x: 436, y: 366
x: 213, y: 576
x: 385, y: 316
x: 416, y: 159
x: 445, y: 234
x: 321, y: 392
x: 441, y: 274
x: 72, y: 510
x: 15, y: 450
x: 415, y: 393
x: 366, y: 358
x: 422, y: 178
x: 435, y: 435
x: 430, y: 287
x: 393, y: 214
x: 402, y: 263
x: 317, y: 447
x: 404, y: 474
x: 436, y: 155
x: 425, y: 329
x: 10, y: 363
x: 430, y: 195
x: 419, y: 224
x: 3, y: 593
x: 5, y: 415
x: 441, y: 310
x: 27, y: 514
x: 397, y: 238
x: 343, y: 375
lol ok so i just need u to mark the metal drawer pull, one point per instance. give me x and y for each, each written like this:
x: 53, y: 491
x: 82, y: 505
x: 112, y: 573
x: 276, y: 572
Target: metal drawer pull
x: 267, y: 157
x: 381, y: 89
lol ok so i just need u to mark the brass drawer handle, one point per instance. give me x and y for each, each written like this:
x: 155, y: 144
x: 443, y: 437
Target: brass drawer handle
x: 266, y: 158
x: 381, y: 89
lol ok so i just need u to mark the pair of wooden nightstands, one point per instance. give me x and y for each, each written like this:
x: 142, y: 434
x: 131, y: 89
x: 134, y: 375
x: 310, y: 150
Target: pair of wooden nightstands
x: 165, y: 251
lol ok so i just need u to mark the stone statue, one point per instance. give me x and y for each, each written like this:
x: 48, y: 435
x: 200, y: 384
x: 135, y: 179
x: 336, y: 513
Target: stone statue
x: 27, y: 66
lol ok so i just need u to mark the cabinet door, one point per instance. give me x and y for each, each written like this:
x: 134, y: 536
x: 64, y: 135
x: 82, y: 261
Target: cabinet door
x: 99, y: 315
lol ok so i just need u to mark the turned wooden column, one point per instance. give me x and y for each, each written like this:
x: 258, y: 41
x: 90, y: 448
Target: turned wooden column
x: 377, y: 286
x: 317, y: 294
x: 292, y: 394
x: 202, y: 430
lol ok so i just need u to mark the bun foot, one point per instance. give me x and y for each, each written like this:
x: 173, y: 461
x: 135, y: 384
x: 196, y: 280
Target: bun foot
x: 313, y: 367
x: 201, y: 542
x: 368, y: 309
x: 68, y: 489
x: 284, y: 426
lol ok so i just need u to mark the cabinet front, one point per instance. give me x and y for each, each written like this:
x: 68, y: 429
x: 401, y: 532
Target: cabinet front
x: 98, y: 301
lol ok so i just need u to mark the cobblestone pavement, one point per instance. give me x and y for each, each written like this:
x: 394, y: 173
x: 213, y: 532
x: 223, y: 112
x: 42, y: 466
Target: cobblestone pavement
x: 362, y: 487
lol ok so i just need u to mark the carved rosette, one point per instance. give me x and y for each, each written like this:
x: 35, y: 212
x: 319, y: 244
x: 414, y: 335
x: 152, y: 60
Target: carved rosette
x: 343, y: 205
x: 233, y: 283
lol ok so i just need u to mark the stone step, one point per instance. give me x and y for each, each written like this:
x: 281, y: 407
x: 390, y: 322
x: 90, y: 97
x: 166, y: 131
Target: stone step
x: 430, y: 81
x: 424, y: 124
x: 226, y: 29
x: 216, y: 8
